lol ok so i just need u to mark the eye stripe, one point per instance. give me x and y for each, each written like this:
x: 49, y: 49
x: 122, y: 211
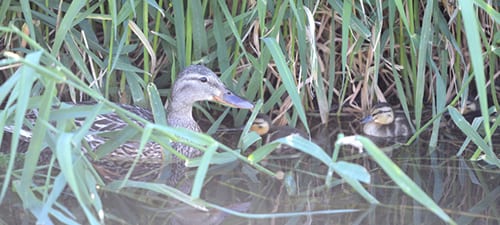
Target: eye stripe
x: 198, y: 78
x: 381, y: 111
x: 259, y: 122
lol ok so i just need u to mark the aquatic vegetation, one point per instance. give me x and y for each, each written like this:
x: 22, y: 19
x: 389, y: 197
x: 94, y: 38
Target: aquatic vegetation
x: 296, y: 59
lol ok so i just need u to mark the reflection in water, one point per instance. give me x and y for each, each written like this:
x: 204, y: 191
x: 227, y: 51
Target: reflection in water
x: 468, y: 192
x: 185, y: 215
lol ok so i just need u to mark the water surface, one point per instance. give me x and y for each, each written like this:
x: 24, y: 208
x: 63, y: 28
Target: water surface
x: 468, y: 191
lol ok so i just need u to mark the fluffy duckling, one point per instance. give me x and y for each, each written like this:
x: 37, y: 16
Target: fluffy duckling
x: 471, y: 110
x: 263, y: 126
x: 382, y: 122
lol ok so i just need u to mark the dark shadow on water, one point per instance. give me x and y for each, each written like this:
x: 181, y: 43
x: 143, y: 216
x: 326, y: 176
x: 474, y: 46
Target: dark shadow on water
x: 467, y: 191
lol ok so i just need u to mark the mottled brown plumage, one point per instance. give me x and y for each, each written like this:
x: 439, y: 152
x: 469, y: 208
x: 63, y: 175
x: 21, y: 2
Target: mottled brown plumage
x: 195, y: 83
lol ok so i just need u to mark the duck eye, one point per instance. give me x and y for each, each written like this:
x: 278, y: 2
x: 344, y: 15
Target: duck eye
x: 203, y: 79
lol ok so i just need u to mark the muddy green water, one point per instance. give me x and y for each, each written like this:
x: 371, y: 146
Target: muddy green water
x: 468, y: 191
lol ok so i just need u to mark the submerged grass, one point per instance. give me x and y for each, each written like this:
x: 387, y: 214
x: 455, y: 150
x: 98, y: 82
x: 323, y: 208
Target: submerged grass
x: 297, y: 57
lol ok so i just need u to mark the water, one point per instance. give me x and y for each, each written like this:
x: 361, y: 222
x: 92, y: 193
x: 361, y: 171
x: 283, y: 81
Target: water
x: 468, y: 191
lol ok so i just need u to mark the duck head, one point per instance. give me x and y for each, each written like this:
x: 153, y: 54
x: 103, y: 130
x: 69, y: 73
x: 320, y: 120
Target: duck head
x: 261, y: 125
x: 381, y: 113
x: 469, y: 107
x: 198, y: 83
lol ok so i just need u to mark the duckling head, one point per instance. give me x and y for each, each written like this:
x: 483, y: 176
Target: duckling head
x: 381, y: 113
x: 261, y: 125
x: 469, y: 107
x: 470, y: 110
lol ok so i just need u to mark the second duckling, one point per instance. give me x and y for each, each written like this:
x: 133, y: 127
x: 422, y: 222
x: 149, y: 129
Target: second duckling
x: 382, y: 122
x: 471, y: 110
x: 263, y: 126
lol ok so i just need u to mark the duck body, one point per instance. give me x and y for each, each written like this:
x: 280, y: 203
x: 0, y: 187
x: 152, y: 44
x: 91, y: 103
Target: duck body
x: 194, y: 83
x: 383, y: 123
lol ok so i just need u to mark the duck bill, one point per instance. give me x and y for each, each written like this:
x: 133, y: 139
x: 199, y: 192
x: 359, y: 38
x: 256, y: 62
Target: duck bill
x: 230, y: 99
x: 367, y: 119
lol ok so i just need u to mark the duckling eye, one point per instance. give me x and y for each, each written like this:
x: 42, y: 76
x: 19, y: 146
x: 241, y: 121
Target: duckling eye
x: 203, y: 79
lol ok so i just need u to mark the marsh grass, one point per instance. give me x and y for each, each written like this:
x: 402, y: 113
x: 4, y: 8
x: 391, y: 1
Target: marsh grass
x: 297, y: 57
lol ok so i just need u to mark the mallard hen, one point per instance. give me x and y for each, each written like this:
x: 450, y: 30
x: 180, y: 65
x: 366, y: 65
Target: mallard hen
x: 194, y: 83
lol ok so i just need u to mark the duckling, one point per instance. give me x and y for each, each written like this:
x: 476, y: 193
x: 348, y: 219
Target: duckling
x: 382, y: 122
x: 263, y: 126
x: 470, y: 110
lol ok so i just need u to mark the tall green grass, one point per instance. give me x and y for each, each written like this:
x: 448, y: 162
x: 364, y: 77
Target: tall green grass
x: 298, y: 57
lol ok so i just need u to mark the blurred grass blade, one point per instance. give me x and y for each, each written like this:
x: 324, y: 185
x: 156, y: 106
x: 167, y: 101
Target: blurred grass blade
x: 249, y: 139
x: 180, y: 32
x: 158, y: 110
x: 490, y: 200
x: 201, y: 173
x: 468, y: 130
x: 66, y: 161
x: 475, y: 126
x: 468, y: 10
x: 200, y: 42
x: 115, y: 139
x: 350, y: 172
x: 401, y: 179
x: 287, y: 78
x: 261, y: 152
x: 145, y: 42
x: 59, y: 185
x: 158, y: 188
x: 324, y: 107
x: 354, y: 171
x: 66, y: 25
x: 423, y: 52
x: 24, y: 86
x: 145, y: 137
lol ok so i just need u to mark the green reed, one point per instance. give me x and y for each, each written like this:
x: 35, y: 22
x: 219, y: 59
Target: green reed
x: 403, y: 52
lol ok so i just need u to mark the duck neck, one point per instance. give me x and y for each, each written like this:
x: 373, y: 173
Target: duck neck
x: 180, y: 115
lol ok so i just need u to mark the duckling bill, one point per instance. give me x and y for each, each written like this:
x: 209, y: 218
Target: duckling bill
x: 383, y: 123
